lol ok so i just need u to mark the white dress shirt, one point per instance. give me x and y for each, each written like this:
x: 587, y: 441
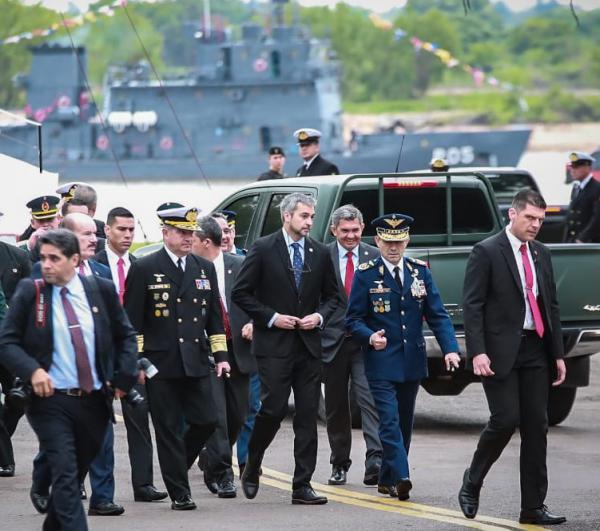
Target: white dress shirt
x: 219, y: 263
x: 515, y: 243
x: 113, y: 258
x: 176, y: 258
x: 390, y: 268
x: 307, y: 163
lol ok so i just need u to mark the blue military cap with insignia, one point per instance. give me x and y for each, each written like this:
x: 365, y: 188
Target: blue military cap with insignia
x: 230, y: 216
x: 307, y: 135
x: 392, y: 227
x: 44, y: 207
x: 439, y: 165
x: 579, y: 158
x: 183, y: 218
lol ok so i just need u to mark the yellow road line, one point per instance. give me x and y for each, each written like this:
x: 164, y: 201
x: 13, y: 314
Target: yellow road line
x: 416, y: 510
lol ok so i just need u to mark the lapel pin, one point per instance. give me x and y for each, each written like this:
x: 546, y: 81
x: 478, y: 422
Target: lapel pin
x: 15, y: 270
x: 95, y: 309
x: 310, y: 249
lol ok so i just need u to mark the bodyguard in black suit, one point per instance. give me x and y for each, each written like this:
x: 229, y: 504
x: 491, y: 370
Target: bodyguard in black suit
x: 120, y: 230
x: 172, y: 300
x: 230, y: 394
x: 583, y: 219
x: 283, y: 281
x: 70, y: 338
x: 14, y: 265
x: 314, y: 164
x: 342, y: 355
x: 514, y: 339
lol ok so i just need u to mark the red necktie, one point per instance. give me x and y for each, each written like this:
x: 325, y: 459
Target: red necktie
x: 121, y: 275
x: 84, y: 371
x: 226, y: 323
x: 349, y: 273
x: 535, y: 309
x: 82, y: 268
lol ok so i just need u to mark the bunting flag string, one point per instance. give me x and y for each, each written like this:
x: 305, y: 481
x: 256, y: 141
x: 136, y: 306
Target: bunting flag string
x: 478, y: 75
x: 89, y: 16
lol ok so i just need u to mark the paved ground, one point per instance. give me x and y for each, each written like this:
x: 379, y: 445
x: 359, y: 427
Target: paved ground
x: 445, y: 436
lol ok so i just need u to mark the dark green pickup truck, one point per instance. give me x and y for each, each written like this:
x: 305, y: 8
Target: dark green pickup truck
x: 452, y: 212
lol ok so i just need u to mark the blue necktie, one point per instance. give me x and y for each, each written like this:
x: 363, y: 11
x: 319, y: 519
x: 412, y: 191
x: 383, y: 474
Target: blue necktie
x: 297, y: 264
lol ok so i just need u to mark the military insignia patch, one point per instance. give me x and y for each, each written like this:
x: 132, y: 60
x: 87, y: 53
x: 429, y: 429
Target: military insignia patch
x: 366, y: 265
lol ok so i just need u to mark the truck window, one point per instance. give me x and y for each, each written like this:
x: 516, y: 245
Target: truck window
x: 509, y: 184
x: 244, y: 207
x: 470, y: 213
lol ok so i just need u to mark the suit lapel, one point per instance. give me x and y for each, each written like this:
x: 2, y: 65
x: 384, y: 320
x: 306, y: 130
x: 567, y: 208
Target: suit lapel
x: 509, y: 256
x: 335, y: 258
x: 191, y: 270
x: 285, y: 258
x: 96, y: 318
x: 228, y: 276
x: 47, y: 330
x: 309, y: 257
x: 167, y: 266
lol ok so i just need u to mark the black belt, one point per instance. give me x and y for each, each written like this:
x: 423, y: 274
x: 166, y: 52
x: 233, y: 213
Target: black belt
x: 75, y: 391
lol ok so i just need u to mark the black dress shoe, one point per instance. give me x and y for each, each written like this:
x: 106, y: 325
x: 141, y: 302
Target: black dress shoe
x: 210, y: 482
x: 403, y: 488
x: 40, y: 501
x: 390, y: 490
x: 82, y: 491
x: 185, y: 503
x: 540, y: 516
x: 106, y: 509
x: 371, y: 475
x: 468, y: 496
x: 307, y: 496
x: 338, y: 476
x: 7, y: 471
x: 227, y: 489
x: 241, y: 466
x: 148, y: 493
x: 250, y: 481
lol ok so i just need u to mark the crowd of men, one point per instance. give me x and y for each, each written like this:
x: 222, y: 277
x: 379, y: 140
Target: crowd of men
x: 210, y: 340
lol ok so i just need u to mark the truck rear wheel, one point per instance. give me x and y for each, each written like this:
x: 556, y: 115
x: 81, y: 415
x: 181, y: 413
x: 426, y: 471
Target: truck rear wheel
x: 560, y: 402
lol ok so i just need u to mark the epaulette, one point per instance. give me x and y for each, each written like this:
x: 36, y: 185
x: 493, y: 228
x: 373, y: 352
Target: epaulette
x: 417, y: 261
x: 366, y: 265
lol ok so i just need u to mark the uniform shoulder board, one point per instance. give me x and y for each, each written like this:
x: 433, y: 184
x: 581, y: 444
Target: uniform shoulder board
x: 417, y: 261
x: 366, y: 265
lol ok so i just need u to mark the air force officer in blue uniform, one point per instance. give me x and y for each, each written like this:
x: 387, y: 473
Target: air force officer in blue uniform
x: 389, y: 298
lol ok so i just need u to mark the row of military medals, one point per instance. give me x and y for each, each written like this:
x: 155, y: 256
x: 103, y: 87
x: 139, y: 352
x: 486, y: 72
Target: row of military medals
x: 160, y: 308
x: 417, y: 289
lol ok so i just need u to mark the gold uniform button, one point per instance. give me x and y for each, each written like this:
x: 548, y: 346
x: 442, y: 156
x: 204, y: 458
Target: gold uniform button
x: 195, y: 319
x: 180, y: 320
x: 403, y: 327
x: 401, y: 298
x: 405, y: 340
x: 195, y: 301
x: 402, y: 312
x: 196, y: 340
x: 178, y: 299
x: 181, y: 340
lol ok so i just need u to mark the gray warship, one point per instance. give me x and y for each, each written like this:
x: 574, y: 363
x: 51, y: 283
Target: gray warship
x: 219, y: 120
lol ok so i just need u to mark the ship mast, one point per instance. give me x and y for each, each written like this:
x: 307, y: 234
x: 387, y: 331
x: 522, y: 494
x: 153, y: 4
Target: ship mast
x: 207, y: 20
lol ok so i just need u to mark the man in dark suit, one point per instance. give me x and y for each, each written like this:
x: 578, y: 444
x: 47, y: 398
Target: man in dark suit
x: 120, y: 229
x: 284, y: 279
x: 231, y: 394
x: 14, y: 265
x: 314, y: 164
x: 342, y: 356
x: 514, y: 339
x: 226, y: 220
x: 102, y: 467
x: 172, y: 299
x: 69, y: 337
x: 583, y: 219
x: 391, y: 297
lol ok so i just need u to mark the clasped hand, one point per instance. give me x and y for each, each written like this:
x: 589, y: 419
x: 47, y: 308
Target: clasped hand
x: 290, y: 322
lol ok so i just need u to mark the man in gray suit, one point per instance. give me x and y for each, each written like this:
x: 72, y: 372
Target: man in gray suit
x: 230, y: 394
x: 342, y: 356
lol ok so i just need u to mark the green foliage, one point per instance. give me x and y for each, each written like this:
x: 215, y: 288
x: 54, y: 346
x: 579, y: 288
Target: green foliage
x: 15, y: 58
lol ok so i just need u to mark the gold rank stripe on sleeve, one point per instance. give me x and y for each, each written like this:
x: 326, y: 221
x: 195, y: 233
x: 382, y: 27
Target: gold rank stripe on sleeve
x: 140, y: 343
x: 218, y: 343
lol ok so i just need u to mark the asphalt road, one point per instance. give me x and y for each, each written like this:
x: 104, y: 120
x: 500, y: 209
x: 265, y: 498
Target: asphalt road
x: 445, y: 436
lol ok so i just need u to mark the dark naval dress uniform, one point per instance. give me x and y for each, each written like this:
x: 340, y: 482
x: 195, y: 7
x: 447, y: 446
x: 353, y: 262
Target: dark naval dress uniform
x: 178, y: 316
x: 318, y: 166
x: 271, y: 174
x: 378, y: 302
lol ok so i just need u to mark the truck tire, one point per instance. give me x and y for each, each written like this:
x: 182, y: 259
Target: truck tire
x: 560, y: 402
